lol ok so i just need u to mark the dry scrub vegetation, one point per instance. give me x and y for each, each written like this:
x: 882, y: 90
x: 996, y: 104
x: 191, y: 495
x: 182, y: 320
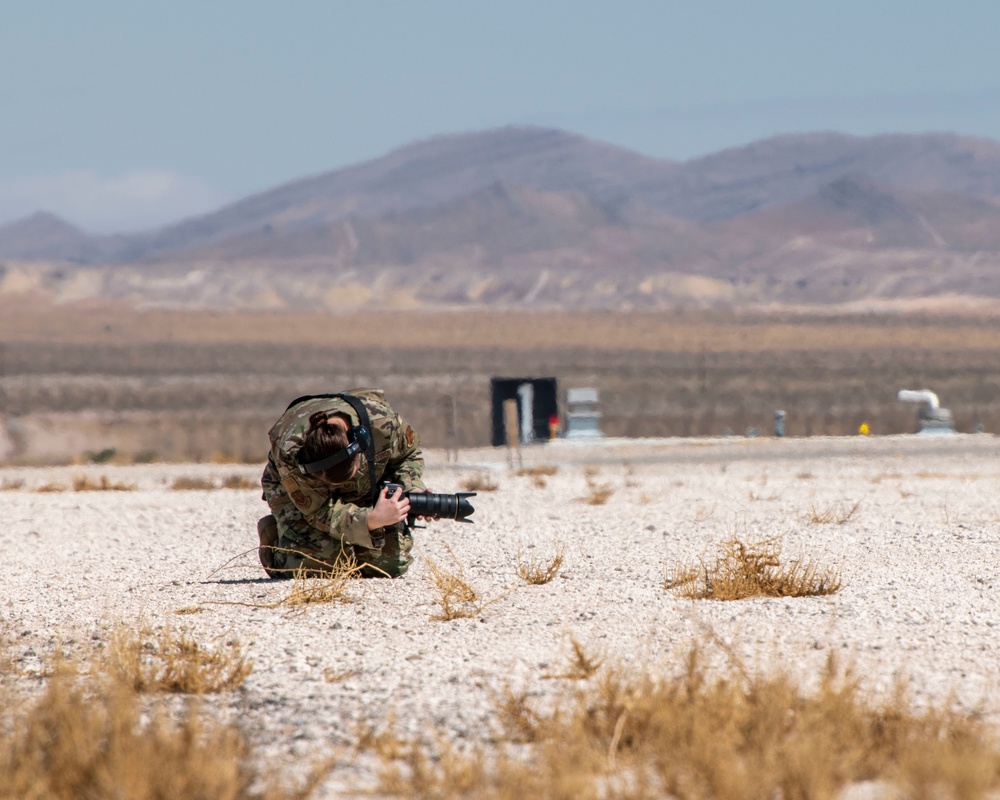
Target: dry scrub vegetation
x: 538, y: 474
x: 92, y: 734
x: 597, y: 493
x: 333, y: 586
x: 83, y: 483
x: 836, y: 514
x: 454, y: 595
x: 481, y: 482
x: 743, y: 570
x: 581, y: 664
x: 692, y: 731
x: 95, y: 738
x: 728, y: 735
x: 167, y: 661
x: 192, y: 483
x: 537, y: 570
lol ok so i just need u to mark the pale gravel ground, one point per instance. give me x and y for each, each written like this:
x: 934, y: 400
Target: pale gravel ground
x: 920, y: 559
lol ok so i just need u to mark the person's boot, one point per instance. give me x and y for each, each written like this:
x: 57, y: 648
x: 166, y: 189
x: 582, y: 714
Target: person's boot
x: 267, y: 533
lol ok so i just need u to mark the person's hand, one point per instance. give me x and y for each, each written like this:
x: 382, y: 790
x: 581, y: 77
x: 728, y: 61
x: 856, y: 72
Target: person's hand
x: 422, y: 518
x: 388, y: 510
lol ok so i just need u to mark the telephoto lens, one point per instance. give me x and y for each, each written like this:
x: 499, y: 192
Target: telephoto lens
x: 436, y: 506
x: 442, y: 506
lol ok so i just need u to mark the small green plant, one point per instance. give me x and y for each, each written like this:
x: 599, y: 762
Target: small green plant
x: 101, y: 456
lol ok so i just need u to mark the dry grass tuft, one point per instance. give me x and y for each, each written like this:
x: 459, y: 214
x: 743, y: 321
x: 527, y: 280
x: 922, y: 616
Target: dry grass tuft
x: 319, y: 584
x: 703, y: 513
x: 480, y: 482
x: 163, y: 661
x: 75, y: 743
x: 722, y: 734
x: 240, y: 482
x: 331, y: 587
x: 51, y: 487
x: 597, y: 493
x: 219, y: 457
x: 836, y: 514
x: 546, y: 470
x: 581, y: 665
x: 11, y: 484
x: 188, y: 483
x: 331, y: 675
x: 538, y: 474
x: 94, y: 737
x: 82, y: 483
x: 456, y: 598
x: 518, y: 722
x: 744, y: 570
x: 537, y: 571
x: 753, y: 496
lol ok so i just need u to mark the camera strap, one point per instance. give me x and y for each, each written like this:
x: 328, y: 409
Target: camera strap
x: 364, y: 419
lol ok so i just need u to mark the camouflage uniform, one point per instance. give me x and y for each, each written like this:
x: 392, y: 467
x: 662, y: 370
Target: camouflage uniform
x: 319, y: 523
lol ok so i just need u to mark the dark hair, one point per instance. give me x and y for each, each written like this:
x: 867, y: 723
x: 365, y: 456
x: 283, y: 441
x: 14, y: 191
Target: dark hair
x: 323, y: 440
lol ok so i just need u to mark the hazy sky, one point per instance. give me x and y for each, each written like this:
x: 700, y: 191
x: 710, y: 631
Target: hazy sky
x: 124, y: 115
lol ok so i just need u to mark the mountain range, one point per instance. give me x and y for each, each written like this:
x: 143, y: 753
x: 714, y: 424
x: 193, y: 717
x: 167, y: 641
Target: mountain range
x: 533, y: 216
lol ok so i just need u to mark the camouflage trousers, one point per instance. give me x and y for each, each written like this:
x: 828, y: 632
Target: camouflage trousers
x: 306, y: 551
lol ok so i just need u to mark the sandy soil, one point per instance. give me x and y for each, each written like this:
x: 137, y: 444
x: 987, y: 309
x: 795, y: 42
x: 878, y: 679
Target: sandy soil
x: 920, y: 559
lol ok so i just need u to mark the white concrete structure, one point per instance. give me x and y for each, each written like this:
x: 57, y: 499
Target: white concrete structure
x: 582, y: 416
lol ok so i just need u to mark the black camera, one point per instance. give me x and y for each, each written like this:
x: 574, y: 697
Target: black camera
x: 436, y: 506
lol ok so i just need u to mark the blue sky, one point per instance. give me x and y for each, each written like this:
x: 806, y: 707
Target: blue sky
x: 125, y: 115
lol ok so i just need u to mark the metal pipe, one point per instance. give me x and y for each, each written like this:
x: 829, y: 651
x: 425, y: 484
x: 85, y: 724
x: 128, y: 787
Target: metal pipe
x: 919, y: 396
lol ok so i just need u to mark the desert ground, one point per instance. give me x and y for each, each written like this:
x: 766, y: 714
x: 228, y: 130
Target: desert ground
x: 911, y: 523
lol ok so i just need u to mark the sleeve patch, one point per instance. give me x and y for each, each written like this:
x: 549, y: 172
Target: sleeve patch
x: 409, y: 436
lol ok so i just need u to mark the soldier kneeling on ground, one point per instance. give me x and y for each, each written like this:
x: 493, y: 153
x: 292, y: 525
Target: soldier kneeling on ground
x: 329, y: 453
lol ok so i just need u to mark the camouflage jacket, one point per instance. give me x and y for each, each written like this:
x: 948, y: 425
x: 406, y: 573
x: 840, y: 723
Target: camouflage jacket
x: 341, y: 510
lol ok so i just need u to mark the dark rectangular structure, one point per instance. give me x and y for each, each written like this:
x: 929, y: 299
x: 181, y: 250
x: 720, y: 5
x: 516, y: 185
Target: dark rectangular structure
x: 544, y: 404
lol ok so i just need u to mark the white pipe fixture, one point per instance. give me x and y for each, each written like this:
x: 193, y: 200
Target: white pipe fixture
x: 919, y: 396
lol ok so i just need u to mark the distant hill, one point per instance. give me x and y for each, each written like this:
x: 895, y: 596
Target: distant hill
x: 45, y: 237
x: 535, y: 216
